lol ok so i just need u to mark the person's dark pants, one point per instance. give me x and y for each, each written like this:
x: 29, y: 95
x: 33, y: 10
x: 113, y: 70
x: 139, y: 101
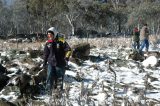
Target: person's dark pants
x: 136, y: 44
x: 51, y: 75
x: 55, y: 75
x: 60, y: 76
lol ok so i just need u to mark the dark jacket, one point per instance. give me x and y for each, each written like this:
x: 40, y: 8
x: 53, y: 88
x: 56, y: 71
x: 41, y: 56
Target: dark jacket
x: 136, y: 35
x: 54, y: 53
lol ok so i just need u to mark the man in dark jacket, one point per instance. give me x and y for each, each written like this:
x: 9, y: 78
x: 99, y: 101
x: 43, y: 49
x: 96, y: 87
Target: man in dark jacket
x: 55, y: 56
x: 136, y: 38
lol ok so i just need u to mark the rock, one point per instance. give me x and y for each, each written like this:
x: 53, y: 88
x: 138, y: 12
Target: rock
x: 13, y: 71
x: 119, y: 62
x: 135, y: 55
x: 40, y: 77
x: 11, y: 64
x: 3, y: 81
x: 2, y: 69
x: 32, y: 102
x: 150, y: 61
x: 4, y: 59
x: 76, y: 61
x: 96, y: 58
x: 30, y: 85
x: 81, y: 51
x: 35, y: 69
x: 38, y: 103
x: 151, y: 78
x: 152, y: 53
x: 158, y: 64
x: 27, y: 60
x: 23, y: 82
x: 14, y: 65
x: 21, y: 52
x: 35, y: 53
x: 78, y: 77
x: 4, y: 102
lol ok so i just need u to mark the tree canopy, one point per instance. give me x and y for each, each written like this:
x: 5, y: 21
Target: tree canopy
x: 118, y: 16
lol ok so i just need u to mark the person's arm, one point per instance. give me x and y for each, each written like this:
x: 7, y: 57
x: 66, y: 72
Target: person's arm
x: 67, y: 50
x: 46, y: 54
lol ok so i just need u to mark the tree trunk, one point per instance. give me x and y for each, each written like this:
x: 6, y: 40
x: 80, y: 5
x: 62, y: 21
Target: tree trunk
x: 119, y: 26
x: 72, y: 29
x: 71, y: 24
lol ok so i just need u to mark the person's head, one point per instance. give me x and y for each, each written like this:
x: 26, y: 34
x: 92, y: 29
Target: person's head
x: 60, y: 37
x: 51, y: 33
x: 135, y: 29
x: 145, y: 24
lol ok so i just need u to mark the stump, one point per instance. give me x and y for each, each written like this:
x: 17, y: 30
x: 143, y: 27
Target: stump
x: 81, y: 51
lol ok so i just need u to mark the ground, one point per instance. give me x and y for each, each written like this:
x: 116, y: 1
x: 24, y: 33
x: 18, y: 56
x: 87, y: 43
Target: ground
x: 106, y: 78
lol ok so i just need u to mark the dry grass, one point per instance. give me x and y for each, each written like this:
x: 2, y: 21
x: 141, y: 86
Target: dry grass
x: 154, y: 38
x: 103, y: 42
x: 108, y: 42
x: 94, y: 42
x: 5, y: 45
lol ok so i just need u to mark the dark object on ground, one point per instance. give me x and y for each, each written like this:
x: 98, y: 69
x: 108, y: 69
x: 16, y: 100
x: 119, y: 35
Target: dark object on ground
x: 135, y: 55
x: 81, y: 51
x: 23, y: 82
x: 3, y: 81
x: 4, y: 102
x: 153, y: 53
x: 2, y: 69
x: 31, y: 85
x: 35, y: 53
x: 35, y: 69
x: 40, y: 77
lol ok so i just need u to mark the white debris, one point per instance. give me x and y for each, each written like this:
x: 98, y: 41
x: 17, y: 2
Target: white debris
x: 101, y: 97
x: 150, y: 61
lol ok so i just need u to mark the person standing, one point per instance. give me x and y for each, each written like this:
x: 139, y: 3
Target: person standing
x: 144, y: 38
x: 54, y: 60
x: 136, y: 38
